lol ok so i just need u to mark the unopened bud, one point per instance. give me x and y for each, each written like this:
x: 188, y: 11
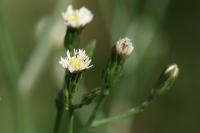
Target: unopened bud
x: 172, y: 71
x: 124, y: 46
x: 167, y: 79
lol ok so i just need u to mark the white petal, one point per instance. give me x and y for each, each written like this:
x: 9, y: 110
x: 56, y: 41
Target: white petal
x: 69, y: 9
x: 85, y: 15
x: 63, y: 62
x: 68, y: 54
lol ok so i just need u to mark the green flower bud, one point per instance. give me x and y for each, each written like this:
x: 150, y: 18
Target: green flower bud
x: 166, y: 80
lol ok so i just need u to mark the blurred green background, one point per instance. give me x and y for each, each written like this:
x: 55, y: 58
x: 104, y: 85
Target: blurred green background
x: 163, y: 32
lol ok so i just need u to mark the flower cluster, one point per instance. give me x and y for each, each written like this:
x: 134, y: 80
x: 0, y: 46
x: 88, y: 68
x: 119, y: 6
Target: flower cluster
x: 77, y: 18
x: 124, y: 46
x: 78, y: 62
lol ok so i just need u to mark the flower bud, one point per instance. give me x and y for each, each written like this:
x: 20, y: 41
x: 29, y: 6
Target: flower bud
x: 124, y: 47
x: 167, y: 79
x: 172, y: 71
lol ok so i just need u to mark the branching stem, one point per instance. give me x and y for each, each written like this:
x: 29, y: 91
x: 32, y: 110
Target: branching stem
x: 96, y: 110
x: 132, y: 112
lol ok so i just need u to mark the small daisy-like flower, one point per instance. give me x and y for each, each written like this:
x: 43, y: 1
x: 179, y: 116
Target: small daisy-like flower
x: 77, y: 18
x: 78, y: 62
x: 124, y: 46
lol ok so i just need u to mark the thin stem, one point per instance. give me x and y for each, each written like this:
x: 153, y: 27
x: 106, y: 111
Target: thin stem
x: 71, y: 121
x: 58, y: 120
x: 71, y: 115
x: 111, y: 73
x: 164, y: 83
x: 60, y: 104
x: 96, y: 110
x: 131, y: 112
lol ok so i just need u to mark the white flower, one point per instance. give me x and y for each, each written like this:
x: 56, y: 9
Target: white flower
x: 77, y: 18
x: 78, y: 62
x: 124, y: 46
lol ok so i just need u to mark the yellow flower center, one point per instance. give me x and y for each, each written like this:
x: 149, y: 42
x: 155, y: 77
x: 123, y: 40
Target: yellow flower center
x: 76, y: 62
x: 74, y: 17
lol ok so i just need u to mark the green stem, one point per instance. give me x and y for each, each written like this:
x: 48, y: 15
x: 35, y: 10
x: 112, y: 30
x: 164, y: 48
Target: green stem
x: 60, y: 105
x: 71, y: 121
x: 131, y: 112
x: 111, y: 73
x: 96, y: 110
x: 163, y: 85
x: 71, y: 115
x: 72, y: 39
x: 58, y: 120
